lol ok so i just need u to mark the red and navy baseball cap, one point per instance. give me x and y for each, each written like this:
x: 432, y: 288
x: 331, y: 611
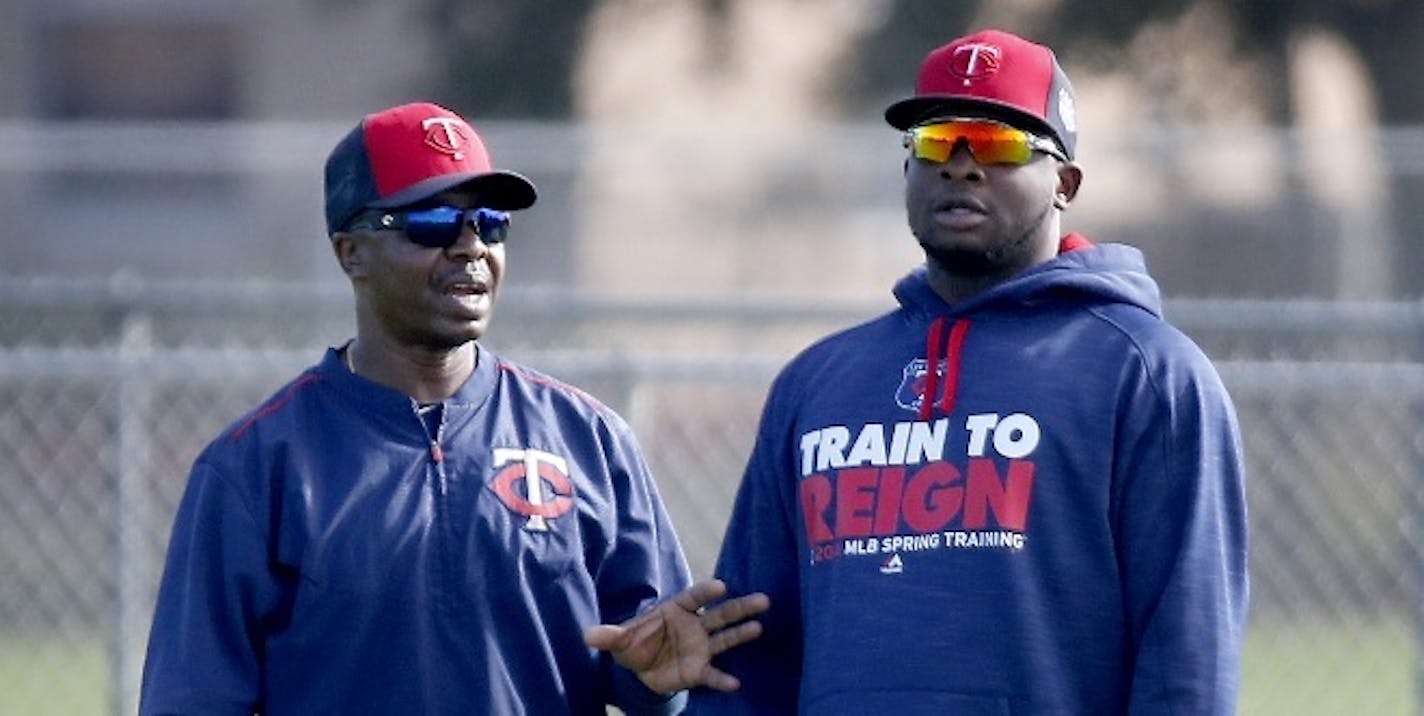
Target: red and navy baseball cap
x: 406, y: 154
x: 995, y: 75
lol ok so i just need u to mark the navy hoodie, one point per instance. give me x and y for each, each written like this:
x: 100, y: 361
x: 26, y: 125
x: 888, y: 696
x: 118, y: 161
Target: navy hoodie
x: 336, y: 553
x: 1050, y: 521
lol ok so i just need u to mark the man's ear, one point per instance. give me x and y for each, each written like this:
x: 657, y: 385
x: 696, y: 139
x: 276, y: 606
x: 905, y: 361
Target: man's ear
x: 1070, y: 179
x: 350, y: 253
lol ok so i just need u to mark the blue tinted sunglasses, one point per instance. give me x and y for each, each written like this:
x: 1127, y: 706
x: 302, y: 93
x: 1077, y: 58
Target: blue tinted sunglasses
x: 438, y: 227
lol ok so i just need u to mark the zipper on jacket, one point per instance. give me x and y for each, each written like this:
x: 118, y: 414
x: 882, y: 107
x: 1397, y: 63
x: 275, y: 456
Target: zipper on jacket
x: 445, y: 578
x: 437, y: 455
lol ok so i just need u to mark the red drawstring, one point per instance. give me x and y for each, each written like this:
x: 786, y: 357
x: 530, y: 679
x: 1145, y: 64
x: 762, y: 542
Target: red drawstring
x: 951, y: 369
x: 937, y: 347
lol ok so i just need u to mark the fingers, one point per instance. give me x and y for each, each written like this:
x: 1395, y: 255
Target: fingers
x: 735, y: 610
x: 714, y: 678
x: 733, y: 636
x: 698, y: 595
x: 604, y: 637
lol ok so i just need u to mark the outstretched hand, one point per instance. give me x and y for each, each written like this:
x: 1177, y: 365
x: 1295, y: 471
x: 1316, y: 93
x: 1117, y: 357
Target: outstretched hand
x: 670, y: 647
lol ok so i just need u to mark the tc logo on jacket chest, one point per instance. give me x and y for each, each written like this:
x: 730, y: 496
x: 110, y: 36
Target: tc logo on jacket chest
x: 533, y: 483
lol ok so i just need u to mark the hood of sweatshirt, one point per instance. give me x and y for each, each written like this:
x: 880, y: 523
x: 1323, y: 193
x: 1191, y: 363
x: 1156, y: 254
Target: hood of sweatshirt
x: 1082, y: 273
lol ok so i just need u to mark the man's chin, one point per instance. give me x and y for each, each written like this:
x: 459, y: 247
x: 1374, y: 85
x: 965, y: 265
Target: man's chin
x: 964, y: 261
x: 454, y: 337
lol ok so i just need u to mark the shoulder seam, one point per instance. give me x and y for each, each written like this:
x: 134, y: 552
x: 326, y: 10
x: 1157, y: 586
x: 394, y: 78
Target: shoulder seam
x: 546, y: 380
x: 1136, y: 344
x: 273, y: 404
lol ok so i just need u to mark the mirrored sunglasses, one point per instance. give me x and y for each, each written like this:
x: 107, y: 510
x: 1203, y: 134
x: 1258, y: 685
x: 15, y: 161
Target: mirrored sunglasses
x: 438, y: 227
x: 990, y: 142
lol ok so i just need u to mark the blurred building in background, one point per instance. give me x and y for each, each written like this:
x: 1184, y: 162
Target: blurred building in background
x: 184, y: 137
x: 126, y: 144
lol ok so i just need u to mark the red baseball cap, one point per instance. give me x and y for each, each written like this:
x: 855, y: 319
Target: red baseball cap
x: 996, y: 75
x: 410, y: 153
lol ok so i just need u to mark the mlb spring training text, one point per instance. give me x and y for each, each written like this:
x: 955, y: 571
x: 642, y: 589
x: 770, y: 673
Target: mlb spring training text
x: 889, y: 489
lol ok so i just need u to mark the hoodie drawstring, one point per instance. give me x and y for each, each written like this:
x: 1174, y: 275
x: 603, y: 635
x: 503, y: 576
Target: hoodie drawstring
x: 937, y: 347
x: 932, y: 347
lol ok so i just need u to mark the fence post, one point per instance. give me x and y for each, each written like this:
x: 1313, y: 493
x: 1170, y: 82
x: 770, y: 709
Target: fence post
x: 1414, y: 530
x: 1416, y: 516
x: 132, y: 559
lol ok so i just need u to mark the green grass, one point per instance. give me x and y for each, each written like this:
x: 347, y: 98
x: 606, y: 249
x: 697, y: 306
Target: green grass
x: 1329, y: 669
x: 60, y: 677
x: 1295, y: 669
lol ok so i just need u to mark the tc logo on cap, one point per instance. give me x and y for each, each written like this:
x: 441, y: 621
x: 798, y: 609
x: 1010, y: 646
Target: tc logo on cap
x: 974, y: 61
x: 446, y: 135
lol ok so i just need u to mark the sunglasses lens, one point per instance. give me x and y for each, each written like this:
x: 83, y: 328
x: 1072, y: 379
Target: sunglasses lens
x: 441, y: 226
x: 989, y: 142
x: 493, y: 226
x: 928, y: 147
x: 437, y: 228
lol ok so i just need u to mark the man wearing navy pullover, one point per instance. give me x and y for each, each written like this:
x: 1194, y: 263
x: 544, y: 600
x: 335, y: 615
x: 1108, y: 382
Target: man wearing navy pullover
x: 1021, y: 492
x: 417, y: 525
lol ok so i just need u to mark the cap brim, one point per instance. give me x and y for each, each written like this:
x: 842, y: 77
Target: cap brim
x: 911, y: 111
x: 500, y: 189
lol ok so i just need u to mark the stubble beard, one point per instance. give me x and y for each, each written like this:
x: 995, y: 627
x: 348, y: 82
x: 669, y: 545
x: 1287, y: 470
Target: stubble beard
x: 1002, y: 260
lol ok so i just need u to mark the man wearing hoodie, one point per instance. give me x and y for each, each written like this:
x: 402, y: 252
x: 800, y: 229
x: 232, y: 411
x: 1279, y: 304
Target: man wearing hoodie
x: 1020, y: 492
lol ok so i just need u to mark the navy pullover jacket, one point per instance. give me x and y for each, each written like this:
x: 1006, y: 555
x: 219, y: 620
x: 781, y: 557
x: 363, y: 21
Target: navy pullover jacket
x: 333, y: 554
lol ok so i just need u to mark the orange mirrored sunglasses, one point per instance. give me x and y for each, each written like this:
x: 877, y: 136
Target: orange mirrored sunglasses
x: 990, y: 142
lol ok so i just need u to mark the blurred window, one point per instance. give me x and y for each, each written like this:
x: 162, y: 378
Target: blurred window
x: 144, y: 67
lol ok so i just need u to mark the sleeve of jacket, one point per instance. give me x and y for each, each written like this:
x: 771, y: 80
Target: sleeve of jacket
x: 204, y: 648
x: 761, y: 552
x: 644, y: 564
x: 1181, y: 522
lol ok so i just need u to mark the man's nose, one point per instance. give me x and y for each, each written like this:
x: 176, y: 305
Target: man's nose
x: 961, y: 164
x: 468, y: 245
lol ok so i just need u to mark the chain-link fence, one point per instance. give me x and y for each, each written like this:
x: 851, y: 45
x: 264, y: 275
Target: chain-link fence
x: 109, y: 387
x: 107, y: 401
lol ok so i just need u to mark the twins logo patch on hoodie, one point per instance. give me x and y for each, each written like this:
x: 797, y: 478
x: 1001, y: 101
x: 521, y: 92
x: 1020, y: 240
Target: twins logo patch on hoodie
x: 911, y: 393
x: 889, y: 490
